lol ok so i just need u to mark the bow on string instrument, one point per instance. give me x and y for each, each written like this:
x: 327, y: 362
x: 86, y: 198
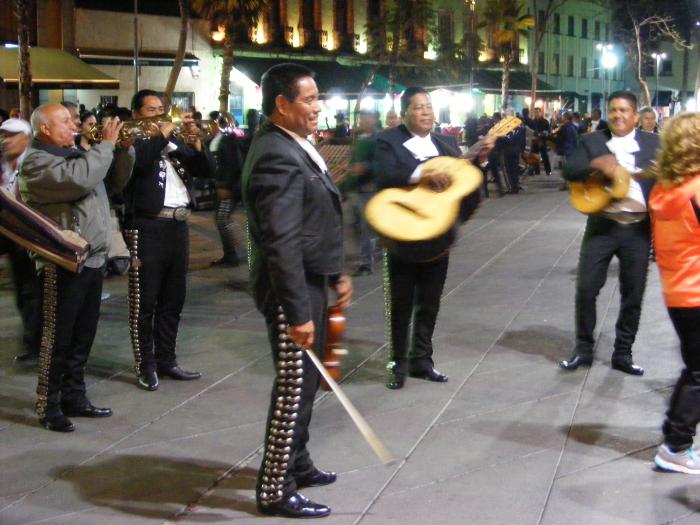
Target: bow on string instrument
x: 420, y: 213
x: 335, y: 352
x: 595, y: 193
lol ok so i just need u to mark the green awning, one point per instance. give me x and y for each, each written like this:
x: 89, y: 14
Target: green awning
x: 331, y: 76
x: 489, y: 81
x: 54, y: 69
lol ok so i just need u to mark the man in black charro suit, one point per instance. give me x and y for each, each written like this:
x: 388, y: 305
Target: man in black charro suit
x: 620, y: 230
x: 296, y: 232
x: 416, y: 271
x: 158, y: 203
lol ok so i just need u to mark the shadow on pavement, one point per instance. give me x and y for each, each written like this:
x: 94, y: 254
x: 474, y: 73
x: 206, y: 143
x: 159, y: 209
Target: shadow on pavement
x: 548, y: 341
x: 158, y: 487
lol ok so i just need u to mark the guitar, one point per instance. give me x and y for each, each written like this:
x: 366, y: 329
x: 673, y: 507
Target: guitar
x: 595, y: 193
x: 420, y: 213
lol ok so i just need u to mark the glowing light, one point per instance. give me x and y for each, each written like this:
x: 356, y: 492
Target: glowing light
x: 528, y: 101
x: 691, y: 104
x: 430, y: 54
x: 259, y: 36
x: 219, y: 34
x: 295, y: 39
x: 462, y: 102
x: 440, y: 98
x: 338, y: 103
x: 330, y: 42
x: 367, y: 103
x: 362, y: 45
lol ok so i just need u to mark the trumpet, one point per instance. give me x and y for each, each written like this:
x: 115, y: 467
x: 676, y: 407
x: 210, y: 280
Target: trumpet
x: 148, y: 127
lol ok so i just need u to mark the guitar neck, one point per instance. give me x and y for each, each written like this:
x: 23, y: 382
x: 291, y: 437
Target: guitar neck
x: 474, y: 149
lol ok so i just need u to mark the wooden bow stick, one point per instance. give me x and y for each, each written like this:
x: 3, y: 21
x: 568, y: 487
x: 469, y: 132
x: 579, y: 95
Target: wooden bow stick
x: 372, y: 439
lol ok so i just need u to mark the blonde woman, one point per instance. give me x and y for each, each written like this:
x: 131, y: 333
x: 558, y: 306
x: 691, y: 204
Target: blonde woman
x: 675, y: 212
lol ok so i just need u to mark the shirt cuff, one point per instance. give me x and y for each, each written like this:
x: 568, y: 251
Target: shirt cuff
x: 416, y: 175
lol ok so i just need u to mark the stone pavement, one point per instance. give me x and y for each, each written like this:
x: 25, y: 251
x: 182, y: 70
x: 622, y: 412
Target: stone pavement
x: 510, y: 439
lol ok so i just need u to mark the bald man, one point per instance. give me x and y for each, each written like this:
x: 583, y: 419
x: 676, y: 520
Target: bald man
x: 70, y: 187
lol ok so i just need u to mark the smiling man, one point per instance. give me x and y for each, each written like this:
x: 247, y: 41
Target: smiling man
x: 621, y: 230
x: 416, y: 271
x: 296, y: 254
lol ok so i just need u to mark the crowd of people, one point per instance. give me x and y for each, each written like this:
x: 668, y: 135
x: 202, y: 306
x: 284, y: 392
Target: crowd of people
x: 59, y: 166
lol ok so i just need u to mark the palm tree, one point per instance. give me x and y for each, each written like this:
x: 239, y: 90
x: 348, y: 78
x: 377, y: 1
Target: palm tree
x: 235, y: 16
x: 180, y: 55
x: 505, y: 22
x: 25, y: 72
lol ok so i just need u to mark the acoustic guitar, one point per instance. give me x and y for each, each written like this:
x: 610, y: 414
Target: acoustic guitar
x: 421, y: 213
x: 595, y: 193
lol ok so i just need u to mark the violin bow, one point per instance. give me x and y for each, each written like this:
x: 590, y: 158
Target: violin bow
x: 370, y: 436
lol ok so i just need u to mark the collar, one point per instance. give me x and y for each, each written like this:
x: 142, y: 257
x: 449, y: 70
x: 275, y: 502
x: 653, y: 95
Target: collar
x: 57, y: 151
x: 308, y: 147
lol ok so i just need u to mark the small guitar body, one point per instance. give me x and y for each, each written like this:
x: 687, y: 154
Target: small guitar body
x: 595, y: 193
x: 420, y: 213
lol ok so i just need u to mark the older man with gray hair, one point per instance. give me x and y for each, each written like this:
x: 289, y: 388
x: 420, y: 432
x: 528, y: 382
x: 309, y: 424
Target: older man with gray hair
x: 69, y: 186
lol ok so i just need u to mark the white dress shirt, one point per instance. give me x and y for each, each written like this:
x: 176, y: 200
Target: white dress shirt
x: 624, y: 149
x: 176, y: 195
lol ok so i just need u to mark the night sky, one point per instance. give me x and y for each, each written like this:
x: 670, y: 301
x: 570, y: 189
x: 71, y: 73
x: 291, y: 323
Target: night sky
x: 149, y: 7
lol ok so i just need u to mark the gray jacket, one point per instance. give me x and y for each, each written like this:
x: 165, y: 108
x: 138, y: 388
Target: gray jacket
x: 68, y: 186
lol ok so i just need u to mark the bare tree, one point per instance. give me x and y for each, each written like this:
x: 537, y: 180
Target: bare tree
x: 542, y: 19
x: 641, y: 33
x: 25, y: 72
x: 180, y: 54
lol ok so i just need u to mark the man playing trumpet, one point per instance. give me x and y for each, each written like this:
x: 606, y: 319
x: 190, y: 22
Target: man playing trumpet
x: 158, y: 202
x: 621, y: 229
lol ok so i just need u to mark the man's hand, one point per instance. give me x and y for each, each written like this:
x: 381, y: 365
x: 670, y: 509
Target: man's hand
x: 605, y: 164
x: 166, y: 128
x: 486, y: 149
x: 110, y: 130
x: 437, y: 181
x: 303, y: 334
x: 343, y: 289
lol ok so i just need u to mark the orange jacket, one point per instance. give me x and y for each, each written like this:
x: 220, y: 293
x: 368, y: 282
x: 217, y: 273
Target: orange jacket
x: 676, y: 226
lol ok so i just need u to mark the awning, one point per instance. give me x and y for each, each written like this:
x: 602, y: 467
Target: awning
x: 54, y: 69
x: 331, y: 77
x: 125, y: 57
x: 489, y: 81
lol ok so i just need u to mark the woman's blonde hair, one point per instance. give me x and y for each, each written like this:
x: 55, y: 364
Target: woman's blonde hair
x: 679, y: 156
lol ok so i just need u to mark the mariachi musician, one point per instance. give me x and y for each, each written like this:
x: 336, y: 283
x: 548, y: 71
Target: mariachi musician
x: 69, y: 186
x: 621, y: 229
x: 416, y: 271
x: 158, y: 203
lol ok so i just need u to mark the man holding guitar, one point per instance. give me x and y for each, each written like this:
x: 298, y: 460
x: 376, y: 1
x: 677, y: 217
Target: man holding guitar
x: 416, y: 270
x: 621, y: 229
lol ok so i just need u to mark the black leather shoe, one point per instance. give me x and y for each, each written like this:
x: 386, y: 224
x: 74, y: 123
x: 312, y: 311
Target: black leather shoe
x: 318, y: 478
x: 395, y: 380
x: 576, y: 361
x: 27, y: 359
x: 178, y: 373
x: 57, y: 423
x: 148, y: 381
x: 88, y: 410
x: 430, y: 375
x: 295, y: 506
x: 627, y: 366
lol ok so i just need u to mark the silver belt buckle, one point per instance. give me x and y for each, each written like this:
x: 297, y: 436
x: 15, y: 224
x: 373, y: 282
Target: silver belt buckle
x: 181, y: 214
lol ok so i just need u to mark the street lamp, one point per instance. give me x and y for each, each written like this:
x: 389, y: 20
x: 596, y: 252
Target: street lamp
x: 658, y: 57
x: 608, y: 61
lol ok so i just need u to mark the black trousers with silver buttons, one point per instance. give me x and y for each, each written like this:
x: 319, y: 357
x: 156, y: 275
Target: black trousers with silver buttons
x: 286, y: 456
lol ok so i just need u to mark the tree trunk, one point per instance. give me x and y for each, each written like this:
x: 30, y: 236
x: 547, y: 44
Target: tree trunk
x: 25, y: 72
x: 361, y: 94
x: 505, y: 82
x: 226, y: 68
x: 180, y: 55
x: 684, y: 79
x: 641, y: 77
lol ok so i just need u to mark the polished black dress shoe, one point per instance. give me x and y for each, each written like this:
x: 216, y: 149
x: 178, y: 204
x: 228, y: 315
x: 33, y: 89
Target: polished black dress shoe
x: 430, y: 374
x: 295, y: 506
x: 317, y: 478
x: 627, y: 366
x: 148, y: 380
x: 576, y: 361
x: 395, y: 380
x: 178, y: 373
x: 88, y: 410
x: 57, y: 423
